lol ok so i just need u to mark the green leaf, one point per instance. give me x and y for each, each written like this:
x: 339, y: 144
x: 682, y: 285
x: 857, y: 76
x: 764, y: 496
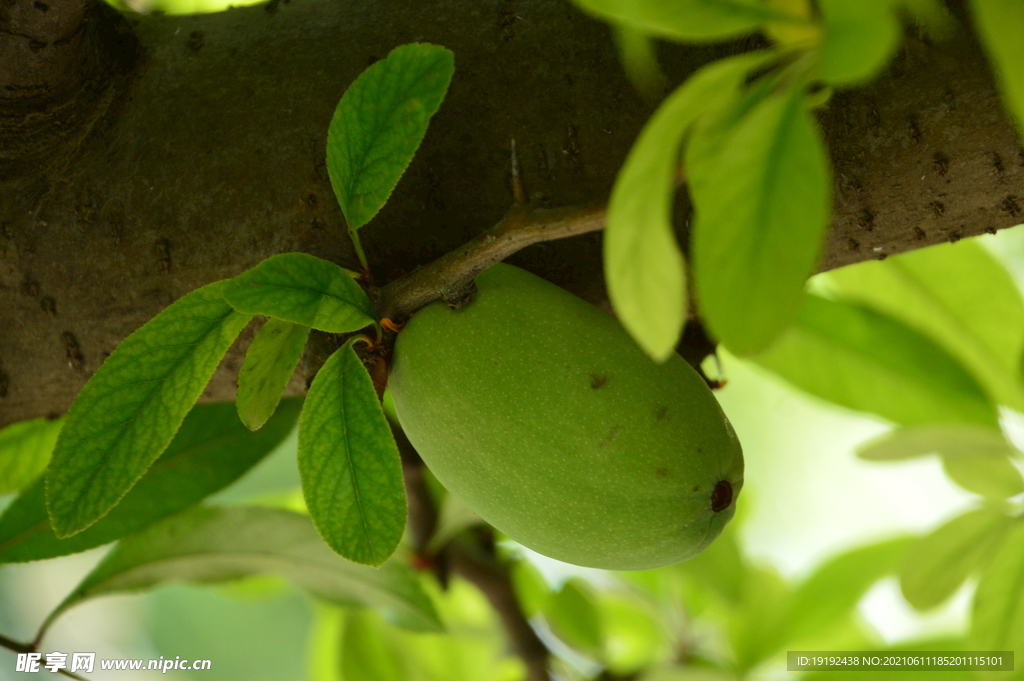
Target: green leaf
x: 207, y: 544
x: 642, y: 261
x: 828, y: 596
x: 633, y: 639
x: 211, y: 450
x: 531, y: 589
x: 720, y: 567
x: 573, y: 616
x: 761, y: 195
x: 380, y: 122
x: 302, y: 289
x: 757, y: 627
x: 686, y: 20
x: 958, y: 294
x: 350, y: 467
x: 366, y: 652
x: 25, y: 449
x: 937, y: 564
x: 639, y: 58
x: 993, y: 477
x: 860, y: 37
x: 998, y: 616
x: 951, y: 439
x: 864, y: 360
x: 269, y: 364
x: 130, y: 409
x: 1000, y: 22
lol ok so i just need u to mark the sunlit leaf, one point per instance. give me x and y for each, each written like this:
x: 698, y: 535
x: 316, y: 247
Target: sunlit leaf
x: 366, y: 652
x: 997, y: 621
x: 380, y: 122
x: 860, y: 37
x: 951, y: 439
x: 757, y: 628
x: 761, y: 193
x: 864, y: 360
x: 686, y: 20
x: 937, y: 564
x: 302, y: 289
x: 633, y: 639
x: 999, y: 23
x: 531, y: 589
x: 687, y: 673
x: 127, y: 413
x: 269, y: 363
x: 25, y: 449
x: 643, y: 264
x: 210, y: 451
x: 573, y: 615
x: 206, y: 544
x: 350, y: 467
x: 720, y: 567
x: 832, y: 591
x: 991, y: 476
x: 959, y: 295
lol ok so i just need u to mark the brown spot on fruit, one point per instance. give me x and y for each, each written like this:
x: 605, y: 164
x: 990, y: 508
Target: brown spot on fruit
x: 661, y: 413
x: 721, y: 497
x: 598, y: 381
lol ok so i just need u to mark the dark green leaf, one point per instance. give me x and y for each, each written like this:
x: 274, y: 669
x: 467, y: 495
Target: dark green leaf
x: 380, y: 122
x: 952, y: 439
x: 302, y: 289
x: 860, y: 37
x: 130, y: 409
x: 210, y: 451
x: 991, y: 476
x: 269, y: 364
x: 573, y: 616
x: 937, y: 564
x: 761, y: 193
x: 643, y: 265
x: 350, y: 467
x: 207, y: 544
x: 998, y: 618
x: 958, y: 294
x: 828, y: 596
x: 1000, y: 22
x: 686, y: 20
x: 864, y: 360
x: 25, y: 449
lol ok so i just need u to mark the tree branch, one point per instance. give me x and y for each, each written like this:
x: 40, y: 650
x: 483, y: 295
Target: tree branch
x: 202, y: 152
x: 449, y: 276
x: 492, y: 578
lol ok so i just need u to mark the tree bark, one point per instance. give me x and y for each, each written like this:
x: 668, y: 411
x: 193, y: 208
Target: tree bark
x: 144, y: 156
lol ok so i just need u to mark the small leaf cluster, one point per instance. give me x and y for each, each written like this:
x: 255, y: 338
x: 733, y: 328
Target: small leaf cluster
x: 741, y: 134
x: 133, y: 457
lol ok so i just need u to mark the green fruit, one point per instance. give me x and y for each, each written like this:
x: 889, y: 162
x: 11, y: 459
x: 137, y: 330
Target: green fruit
x: 542, y: 414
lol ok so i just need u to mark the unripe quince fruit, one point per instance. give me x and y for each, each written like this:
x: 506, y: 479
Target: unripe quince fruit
x: 543, y: 415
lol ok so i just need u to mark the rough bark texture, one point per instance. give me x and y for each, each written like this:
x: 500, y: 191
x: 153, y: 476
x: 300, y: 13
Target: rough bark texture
x: 142, y: 157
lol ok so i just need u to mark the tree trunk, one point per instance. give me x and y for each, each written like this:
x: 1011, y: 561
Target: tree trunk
x: 144, y: 156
